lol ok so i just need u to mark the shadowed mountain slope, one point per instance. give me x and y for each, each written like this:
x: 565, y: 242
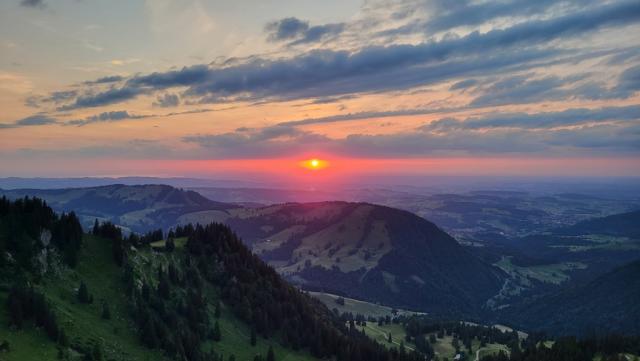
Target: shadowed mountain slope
x: 607, y: 304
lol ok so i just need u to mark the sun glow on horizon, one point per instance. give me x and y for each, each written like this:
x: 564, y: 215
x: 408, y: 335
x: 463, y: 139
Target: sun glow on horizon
x: 314, y: 164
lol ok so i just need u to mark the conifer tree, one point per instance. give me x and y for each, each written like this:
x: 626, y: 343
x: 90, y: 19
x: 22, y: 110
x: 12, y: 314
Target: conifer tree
x: 106, y: 314
x: 270, y: 354
x: 253, y: 336
x: 83, y: 293
x: 217, y: 336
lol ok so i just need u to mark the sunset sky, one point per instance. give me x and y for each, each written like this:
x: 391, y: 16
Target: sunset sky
x: 254, y: 88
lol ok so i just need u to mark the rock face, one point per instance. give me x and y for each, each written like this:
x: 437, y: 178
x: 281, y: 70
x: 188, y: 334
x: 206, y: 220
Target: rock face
x: 370, y: 252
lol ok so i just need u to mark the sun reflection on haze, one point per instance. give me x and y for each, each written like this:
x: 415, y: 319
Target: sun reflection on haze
x: 314, y: 164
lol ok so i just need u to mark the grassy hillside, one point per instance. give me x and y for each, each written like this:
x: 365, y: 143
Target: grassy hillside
x: 354, y: 306
x: 83, y: 322
x: 443, y: 347
x: 84, y: 325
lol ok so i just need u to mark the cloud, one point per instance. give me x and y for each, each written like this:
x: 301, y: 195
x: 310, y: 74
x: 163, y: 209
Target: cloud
x: 319, y: 32
x: 629, y: 81
x: 464, y: 84
x: 34, y: 120
x: 111, y: 96
x: 286, y: 29
x: 167, y: 100
x: 469, y: 14
x: 520, y: 89
x: 523, y: 89
x: 54, y: 97
x: 361, y: 115
x: 266, y: 142
x: 33, y: 3
x: 112, y: 116
x: 321, y: 73
x: 282, y: 140
x: 544, y: 120
x: 123, y: 149
x: 106, y: 80
x: 299, y: 32
x: 605, y: 139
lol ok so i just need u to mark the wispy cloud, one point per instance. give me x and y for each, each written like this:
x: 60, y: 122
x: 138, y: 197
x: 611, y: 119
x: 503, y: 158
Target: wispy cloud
x: 544, y: 120
x: 297, y: 32
x: 322, y: 73
x: 33, y: 3
x: 33, y: 120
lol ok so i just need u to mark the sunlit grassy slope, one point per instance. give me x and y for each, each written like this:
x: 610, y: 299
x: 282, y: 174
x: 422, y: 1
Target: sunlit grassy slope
x: 84, y: 325
x: 358, y: 307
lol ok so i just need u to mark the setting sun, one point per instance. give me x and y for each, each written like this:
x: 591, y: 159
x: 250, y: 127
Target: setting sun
x: 314, y: 164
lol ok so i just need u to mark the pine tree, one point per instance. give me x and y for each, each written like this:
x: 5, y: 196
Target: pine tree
x: 270, y: 355
x: 163, y: 287
x: 5, y: 346
x: 63, y: 340
x: 253, y: 336
x: 96, y: 352
x: 216, y: 313
x: 15, y: 310
x: 83, y: 293
x: 170, y: 245
x: 106, y: 314
x: 216, y: 336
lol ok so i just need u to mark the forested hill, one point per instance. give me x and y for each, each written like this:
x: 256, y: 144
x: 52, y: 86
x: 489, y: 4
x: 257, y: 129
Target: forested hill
x: 624, y: 224
x: 201, y: 297
x: 370, y: 252
x: 608, y: 304
x: 136, y: 207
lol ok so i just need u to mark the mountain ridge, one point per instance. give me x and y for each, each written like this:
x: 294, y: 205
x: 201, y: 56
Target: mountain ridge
x: 369, y: 251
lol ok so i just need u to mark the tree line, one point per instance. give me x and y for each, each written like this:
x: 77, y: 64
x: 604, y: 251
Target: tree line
x: 29, y: 225
x: 609, y: 348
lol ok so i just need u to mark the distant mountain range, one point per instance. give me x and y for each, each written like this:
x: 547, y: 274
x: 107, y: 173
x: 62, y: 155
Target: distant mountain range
x: 82, y: 182
x: 136, y: 207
